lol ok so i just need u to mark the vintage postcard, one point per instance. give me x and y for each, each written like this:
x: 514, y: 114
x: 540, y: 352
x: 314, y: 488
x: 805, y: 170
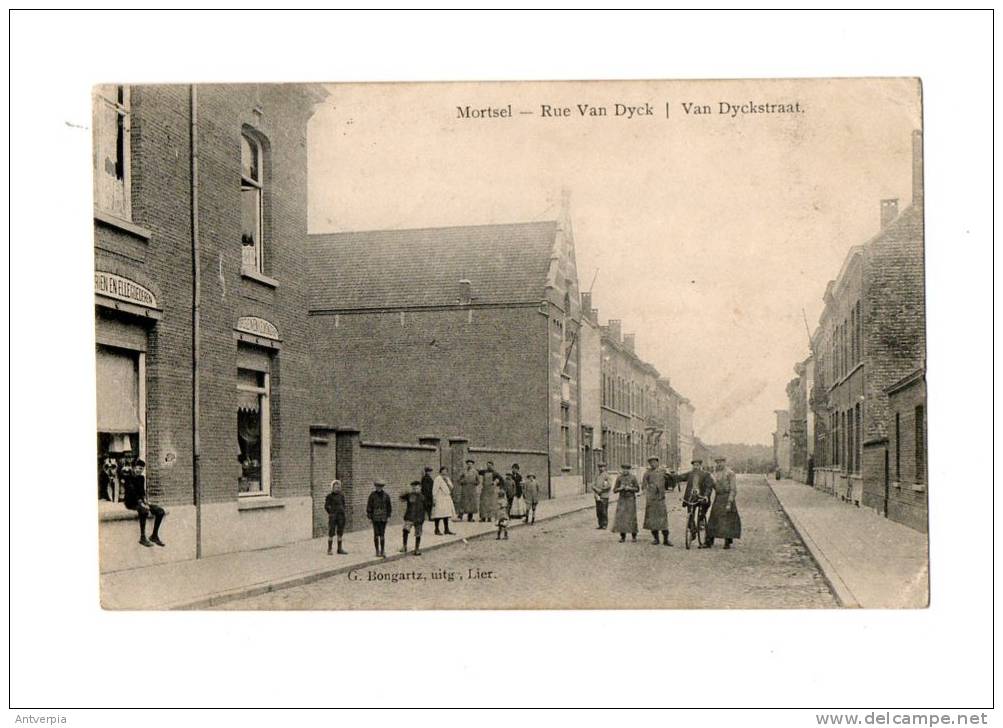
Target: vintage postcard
x: 511, y: 345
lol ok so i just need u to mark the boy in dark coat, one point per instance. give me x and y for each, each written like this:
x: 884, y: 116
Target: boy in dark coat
x: 136, y: 500
x: 378, y: 510
x: 337, y: 510
x: 414, y: 516
x: 426, y: 490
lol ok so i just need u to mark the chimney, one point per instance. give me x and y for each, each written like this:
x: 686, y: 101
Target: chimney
x: 595, y: 315
x: 464, y: 291
x: 614, y: 329
x: 586, y: 301
x: 889, y: 211
x: 628, y: 342
x: 917, y: 168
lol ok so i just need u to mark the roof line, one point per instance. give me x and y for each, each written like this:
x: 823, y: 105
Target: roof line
x: 425, y: 307
x: 431, y: 227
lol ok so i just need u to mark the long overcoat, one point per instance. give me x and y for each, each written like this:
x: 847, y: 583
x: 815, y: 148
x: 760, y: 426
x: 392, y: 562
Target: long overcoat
x: 469, y: 500
x: 723, y: 520
x: 656, y: 516
x: 442, y: 498
x: 625, y: 520
x: 488, y: 500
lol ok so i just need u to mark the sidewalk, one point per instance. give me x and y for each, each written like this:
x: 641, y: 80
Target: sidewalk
x: 869, y: 561
x: 207, y: 582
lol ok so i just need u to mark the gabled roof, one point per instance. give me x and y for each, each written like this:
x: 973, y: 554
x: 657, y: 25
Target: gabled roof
x: 415, y: 268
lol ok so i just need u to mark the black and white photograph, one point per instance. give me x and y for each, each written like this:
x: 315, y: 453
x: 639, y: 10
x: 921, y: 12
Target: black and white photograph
x: 424, y: 346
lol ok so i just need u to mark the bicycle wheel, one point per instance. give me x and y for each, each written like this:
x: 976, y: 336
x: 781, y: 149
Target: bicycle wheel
x: 689, y: 530
x: 701, y: 530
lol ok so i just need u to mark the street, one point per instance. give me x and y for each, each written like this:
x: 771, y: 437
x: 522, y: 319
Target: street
x: 567, y: 563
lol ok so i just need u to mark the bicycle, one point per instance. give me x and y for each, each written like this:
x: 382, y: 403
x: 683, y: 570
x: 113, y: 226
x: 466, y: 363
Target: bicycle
x: 696, y: 521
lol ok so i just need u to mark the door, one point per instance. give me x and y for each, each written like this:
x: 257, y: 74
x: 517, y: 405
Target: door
x: 887, y: 483
x: 322, y: 472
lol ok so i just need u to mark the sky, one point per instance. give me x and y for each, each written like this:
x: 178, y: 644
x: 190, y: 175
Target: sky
x: 713, y: 235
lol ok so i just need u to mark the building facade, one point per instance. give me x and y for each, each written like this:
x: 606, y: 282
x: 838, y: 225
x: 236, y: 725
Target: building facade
x: 871, y: 334
x: 687, y: 438
x: 591, y: 388
x: 782, y: 444
x: 800, y: 430
x: 201, y: 329
x: 466, y: 332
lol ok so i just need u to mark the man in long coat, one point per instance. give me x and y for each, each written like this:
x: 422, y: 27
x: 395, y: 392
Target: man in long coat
x: 489, y: 498
x: 469, y: 501
x: 426, y: 490
x: 724, y: 521
x: 656, y: 517
x: 625, y: 520
x: 699, y: 484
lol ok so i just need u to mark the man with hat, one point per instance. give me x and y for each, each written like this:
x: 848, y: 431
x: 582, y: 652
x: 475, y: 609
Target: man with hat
x: 656, y: 516
x: 723, y: 521
x: 469, y: 500
x: 378, y: 510
x: 625, y: 520
x: 699, y: 485
x: 136, y: 500
x: 600, y: 489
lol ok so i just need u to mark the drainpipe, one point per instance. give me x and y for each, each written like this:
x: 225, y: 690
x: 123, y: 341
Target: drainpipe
x: 196, y: 334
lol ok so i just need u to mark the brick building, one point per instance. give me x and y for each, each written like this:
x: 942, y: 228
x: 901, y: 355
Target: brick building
x: 799, y: 426
x: 203, y: 356
x: 463, y: 332
x: 904, y: 476
x: 638, y: 409
x: 591, y: 386
x: 782, y: 443
x: 871, y: 334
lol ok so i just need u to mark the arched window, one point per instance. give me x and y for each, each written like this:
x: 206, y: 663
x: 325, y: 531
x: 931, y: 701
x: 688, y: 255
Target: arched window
x: 252, y: 193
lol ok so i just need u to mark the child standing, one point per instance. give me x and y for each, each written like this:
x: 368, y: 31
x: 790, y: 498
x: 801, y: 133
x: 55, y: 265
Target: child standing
x: 531, y: 492
x: 414, y: 515
x: 501, y: 499
x: 336, y: 509
x: 378, y: 510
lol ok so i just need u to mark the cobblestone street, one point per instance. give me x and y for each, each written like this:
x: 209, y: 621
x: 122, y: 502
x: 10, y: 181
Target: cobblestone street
x: 568, y: 563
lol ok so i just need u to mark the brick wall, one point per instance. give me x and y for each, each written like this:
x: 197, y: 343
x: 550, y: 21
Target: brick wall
x: 161, y: 203
x: 479, y: 372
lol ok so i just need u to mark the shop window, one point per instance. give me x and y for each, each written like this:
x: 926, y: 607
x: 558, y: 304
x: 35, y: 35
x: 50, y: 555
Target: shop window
x: 253, y: 433
x: 252, y: 188
x: 111, y: 129
x: 121, y: 412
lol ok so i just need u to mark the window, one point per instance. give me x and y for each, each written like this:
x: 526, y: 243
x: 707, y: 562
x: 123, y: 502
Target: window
x: 253, y: 433
x: 851, y: 442
x: 920, y: 425
x: 857, y: 447
x: 121, y: 416
x: 251, y: 205
x: 898, y: 447
x: 111, y: 123
x: 566, y: 433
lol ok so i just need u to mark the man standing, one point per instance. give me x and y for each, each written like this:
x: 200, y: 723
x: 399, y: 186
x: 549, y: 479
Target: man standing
x: 469, y: 502
x: 488, y: 496
x: 136, y: 500
x: 516, y: 482
x: 724, y: 521
x: 600, y: 489
x: 627, y: 489
x: 337, y: 514
x: 426, y: 491
x: 699, y: 485
x: 656, y: 516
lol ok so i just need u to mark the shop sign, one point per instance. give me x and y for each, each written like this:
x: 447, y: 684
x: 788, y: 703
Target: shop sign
x: 257, y: 327
x: 114, y: 286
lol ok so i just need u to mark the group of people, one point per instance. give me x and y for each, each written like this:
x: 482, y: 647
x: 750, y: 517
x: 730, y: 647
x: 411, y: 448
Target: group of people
x: 486, y: 493
x: 711, y: 493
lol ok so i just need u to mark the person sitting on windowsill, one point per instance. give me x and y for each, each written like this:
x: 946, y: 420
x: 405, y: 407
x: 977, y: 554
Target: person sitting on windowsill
x: 136, y: 500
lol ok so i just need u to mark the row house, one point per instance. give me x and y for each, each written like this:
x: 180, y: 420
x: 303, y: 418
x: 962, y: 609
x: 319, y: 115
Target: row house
x: 871, y: 334
x: 782, y: 444
x: 800, y: 425
x: 201, y: 343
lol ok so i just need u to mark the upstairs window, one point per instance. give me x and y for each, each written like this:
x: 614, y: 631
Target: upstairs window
x: 112, y: 193
x: 251, y: 205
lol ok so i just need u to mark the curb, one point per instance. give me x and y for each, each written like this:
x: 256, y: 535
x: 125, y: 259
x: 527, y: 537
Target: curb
x: 254, y: 590
x: 844, y: 596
